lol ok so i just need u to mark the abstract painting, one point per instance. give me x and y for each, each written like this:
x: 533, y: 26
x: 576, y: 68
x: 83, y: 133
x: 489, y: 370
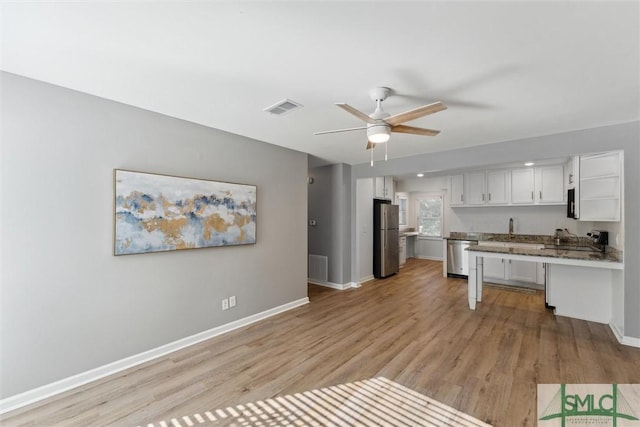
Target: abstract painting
x: 155, y: 213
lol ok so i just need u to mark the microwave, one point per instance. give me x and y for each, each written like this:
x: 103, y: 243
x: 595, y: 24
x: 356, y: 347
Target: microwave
x: 572, y: 209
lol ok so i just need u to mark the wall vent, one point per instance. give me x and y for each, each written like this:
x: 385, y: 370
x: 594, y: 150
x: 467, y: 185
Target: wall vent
x: 319, y: 268
x: 283, y: 107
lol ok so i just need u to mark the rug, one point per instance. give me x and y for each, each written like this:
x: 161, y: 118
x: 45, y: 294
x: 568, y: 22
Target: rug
x: 373, y: 402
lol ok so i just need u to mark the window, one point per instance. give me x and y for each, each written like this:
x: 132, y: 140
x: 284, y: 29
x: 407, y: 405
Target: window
x: 401, y: 201
x: 430, y: 215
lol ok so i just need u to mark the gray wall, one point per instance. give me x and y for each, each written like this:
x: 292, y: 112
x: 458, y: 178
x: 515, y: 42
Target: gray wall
x: 330, y: 205
x: 617, y: 137
x: 68, y: 305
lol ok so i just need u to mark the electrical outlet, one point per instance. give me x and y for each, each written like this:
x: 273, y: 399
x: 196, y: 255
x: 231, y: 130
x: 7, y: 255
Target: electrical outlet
x: 225, y: 304
x: 232, y: 301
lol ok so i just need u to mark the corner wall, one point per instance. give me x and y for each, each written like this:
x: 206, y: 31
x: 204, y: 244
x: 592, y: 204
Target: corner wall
x: 67, y: 304
x: 329, y: 205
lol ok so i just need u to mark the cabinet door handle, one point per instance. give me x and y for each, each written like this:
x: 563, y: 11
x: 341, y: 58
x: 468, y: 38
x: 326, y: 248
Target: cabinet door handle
x: 532, y: 195
x: 540, y: 194
x: 461, y: 198
x: 483, y: 197
x: 489, y: 196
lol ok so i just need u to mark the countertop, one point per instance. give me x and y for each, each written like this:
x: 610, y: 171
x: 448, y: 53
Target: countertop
x: 408, y: 233
x: 610, y: 254
x: 498, y: 237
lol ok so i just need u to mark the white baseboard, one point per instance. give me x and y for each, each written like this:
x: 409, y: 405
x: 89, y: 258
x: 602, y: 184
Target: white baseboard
x: 366, y: 278
x: 630, y: 341
x: 332, y: 285
x: 31, y: 396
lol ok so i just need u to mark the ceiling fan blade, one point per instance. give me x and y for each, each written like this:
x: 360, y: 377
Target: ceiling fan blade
x: 414, y: 130
x: 359, y: 114
x: 415, y: 113
x: 370, y: 145
x: 339, y: 130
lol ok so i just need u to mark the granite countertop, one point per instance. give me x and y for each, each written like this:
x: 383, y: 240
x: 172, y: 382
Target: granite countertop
x: 610, y: 255
x: 498, y: 237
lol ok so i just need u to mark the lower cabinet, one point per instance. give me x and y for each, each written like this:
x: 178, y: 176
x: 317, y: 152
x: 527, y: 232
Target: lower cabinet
x: 509, y: 271
x: 493, y: 268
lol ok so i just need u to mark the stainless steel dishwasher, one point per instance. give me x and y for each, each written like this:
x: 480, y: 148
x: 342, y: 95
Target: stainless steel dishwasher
x: 458, y: 258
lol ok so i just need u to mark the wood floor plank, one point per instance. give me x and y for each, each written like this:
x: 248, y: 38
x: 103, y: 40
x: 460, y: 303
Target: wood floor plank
x: 414, y: 328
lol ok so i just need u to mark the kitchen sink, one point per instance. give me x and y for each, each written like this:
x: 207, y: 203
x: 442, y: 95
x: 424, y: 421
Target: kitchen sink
x: 573, y: 248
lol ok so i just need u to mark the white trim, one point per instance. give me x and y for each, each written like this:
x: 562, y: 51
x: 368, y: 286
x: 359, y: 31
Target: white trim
x: 31, y: 396
x: 332, y: 285
x: 630, y: 341
x: 366, y: 278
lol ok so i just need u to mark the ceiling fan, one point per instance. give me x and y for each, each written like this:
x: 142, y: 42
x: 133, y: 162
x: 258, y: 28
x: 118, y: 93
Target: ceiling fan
x: 380, y: 123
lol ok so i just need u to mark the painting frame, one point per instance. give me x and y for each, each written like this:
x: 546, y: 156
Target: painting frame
x: 155, y: 212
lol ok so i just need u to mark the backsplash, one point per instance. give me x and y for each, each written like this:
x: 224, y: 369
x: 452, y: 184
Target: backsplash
x: 526, y: 219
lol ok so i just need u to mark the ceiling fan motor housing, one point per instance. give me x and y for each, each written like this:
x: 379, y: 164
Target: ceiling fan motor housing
x: 378, y: 132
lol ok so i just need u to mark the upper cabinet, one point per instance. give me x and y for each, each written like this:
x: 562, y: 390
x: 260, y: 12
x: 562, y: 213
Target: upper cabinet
x: 474, y: 189
x: 383, y: 187
x: 522, y: 186
x: 486, y: 188
x: 549, y: 185
x: 540, y: 186
x: 456, y: 190
x: 502, y: 187
x: 600, y: 186
x: 498, y: 187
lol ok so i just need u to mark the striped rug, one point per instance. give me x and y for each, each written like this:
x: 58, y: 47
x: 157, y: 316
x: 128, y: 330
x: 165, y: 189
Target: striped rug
x: 373, y: 402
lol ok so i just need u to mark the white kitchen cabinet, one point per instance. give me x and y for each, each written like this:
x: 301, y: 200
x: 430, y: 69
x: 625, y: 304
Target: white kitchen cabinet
x: 456, y: 190
x: 402, y: 250
x: 573, y: 172
x: 510, y: 271
x: 581, y: 292
x: 383, y: 187
x: 474, y: 189
x: 522, y: 186
x: 493, y: 269
x: 497, y: 187
x: 523, y: 271
x: 549, y: 185
x: 541, y: 186
x: 600, y: 184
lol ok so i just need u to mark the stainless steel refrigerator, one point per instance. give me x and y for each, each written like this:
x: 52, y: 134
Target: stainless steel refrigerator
x: 385, y: 239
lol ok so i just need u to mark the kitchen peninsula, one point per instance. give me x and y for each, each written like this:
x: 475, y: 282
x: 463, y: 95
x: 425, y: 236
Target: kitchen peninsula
x: 579, y: 283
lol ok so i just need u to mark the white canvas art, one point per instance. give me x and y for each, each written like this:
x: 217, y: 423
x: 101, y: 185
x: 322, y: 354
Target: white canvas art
x: 155, y: 213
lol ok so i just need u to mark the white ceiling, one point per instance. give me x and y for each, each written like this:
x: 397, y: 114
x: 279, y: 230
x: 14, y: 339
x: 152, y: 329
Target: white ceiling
x: 506, y: 70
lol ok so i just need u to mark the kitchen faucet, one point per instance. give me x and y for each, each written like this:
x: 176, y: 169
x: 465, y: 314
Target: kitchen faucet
x: 510, y: 228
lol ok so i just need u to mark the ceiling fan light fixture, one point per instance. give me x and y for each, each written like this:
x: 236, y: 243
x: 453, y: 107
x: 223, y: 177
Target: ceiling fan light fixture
x: 378, y: 134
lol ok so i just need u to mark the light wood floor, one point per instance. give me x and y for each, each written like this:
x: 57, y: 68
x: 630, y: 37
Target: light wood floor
x: 414, y: 328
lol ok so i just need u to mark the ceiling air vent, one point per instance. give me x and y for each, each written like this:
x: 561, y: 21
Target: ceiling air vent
x: 283, y: 107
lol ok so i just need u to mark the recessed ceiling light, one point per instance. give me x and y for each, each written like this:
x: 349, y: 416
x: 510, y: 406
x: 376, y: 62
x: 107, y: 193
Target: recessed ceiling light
x: 529, y: 164
x: 420, y: 175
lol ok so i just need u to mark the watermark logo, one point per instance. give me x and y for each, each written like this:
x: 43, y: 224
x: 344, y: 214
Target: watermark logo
x: 588, y: 405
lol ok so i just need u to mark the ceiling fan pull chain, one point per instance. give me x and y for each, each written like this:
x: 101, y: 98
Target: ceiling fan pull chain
x: 385, y: 150
x: 371, y: 157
